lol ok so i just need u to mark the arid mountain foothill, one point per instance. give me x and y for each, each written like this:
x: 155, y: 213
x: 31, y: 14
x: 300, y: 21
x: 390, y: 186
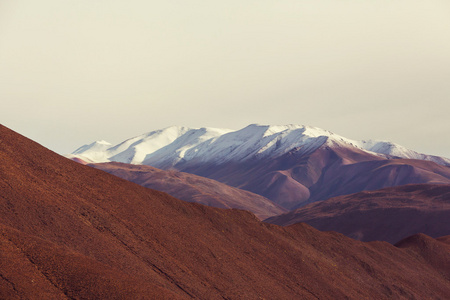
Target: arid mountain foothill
x: 70, y: 231
x: 389, y: 214
x: 193, y: 188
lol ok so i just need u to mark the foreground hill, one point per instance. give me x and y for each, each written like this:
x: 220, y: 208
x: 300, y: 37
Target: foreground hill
x: 389, y: 214
x: 193, y: 188
x: 68, y: 231
x: 290, y: 165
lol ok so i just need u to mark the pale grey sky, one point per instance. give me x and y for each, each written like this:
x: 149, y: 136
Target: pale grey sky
x: 75, y: 71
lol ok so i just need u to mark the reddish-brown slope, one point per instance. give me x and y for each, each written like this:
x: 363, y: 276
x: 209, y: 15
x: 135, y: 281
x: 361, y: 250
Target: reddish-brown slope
x: 34, y: 268
x: 193, y: 188
x: 296, y: 179
x: 435, y: 252
x: 389, y: 214
x: 70, y: 231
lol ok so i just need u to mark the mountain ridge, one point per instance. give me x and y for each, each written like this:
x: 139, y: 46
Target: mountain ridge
x: 166, y: 147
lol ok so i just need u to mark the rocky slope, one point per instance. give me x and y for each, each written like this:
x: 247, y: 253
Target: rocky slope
x: 193, y: 188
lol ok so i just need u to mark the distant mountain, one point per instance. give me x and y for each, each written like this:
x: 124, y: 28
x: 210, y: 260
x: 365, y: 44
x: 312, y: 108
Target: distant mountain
x: 291, y: 165
x: 390, y: 214
x: 193, y: 188
x: 179, y: 145
x: 343, y: 179
x: 68, y: 231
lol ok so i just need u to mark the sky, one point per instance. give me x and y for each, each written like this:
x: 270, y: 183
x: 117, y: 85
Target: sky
x: 76, y: 71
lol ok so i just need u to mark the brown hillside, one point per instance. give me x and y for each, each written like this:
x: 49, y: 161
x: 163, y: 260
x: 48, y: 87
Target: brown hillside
x: 193, y: 188
x: 70, y: 231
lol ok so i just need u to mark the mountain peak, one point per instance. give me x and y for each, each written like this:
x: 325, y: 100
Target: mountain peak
x: 95, y: 145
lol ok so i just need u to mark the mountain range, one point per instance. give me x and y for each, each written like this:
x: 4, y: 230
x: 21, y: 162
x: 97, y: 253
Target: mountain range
x: 179, y: 145
x: 291, y: 165
x: 69, y: 231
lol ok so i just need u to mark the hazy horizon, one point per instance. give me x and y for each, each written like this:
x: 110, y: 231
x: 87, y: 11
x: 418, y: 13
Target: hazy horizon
x: 72, y: 72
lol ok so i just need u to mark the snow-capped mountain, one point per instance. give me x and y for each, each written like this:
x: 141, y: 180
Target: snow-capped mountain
x: 174, y: 145
x: 291, y: 165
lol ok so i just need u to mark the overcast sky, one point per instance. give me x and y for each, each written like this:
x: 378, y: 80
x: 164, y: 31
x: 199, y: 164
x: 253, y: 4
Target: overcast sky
x: 76, y: 71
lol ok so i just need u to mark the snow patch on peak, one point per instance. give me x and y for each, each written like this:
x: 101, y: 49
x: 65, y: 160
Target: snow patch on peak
x: 254, y: 141
x: 178, y: 149
x: 396, y: 150
x: 93, y: 146
x: 384, y: 147
x: 275, y: 129
x: 94, y: 152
